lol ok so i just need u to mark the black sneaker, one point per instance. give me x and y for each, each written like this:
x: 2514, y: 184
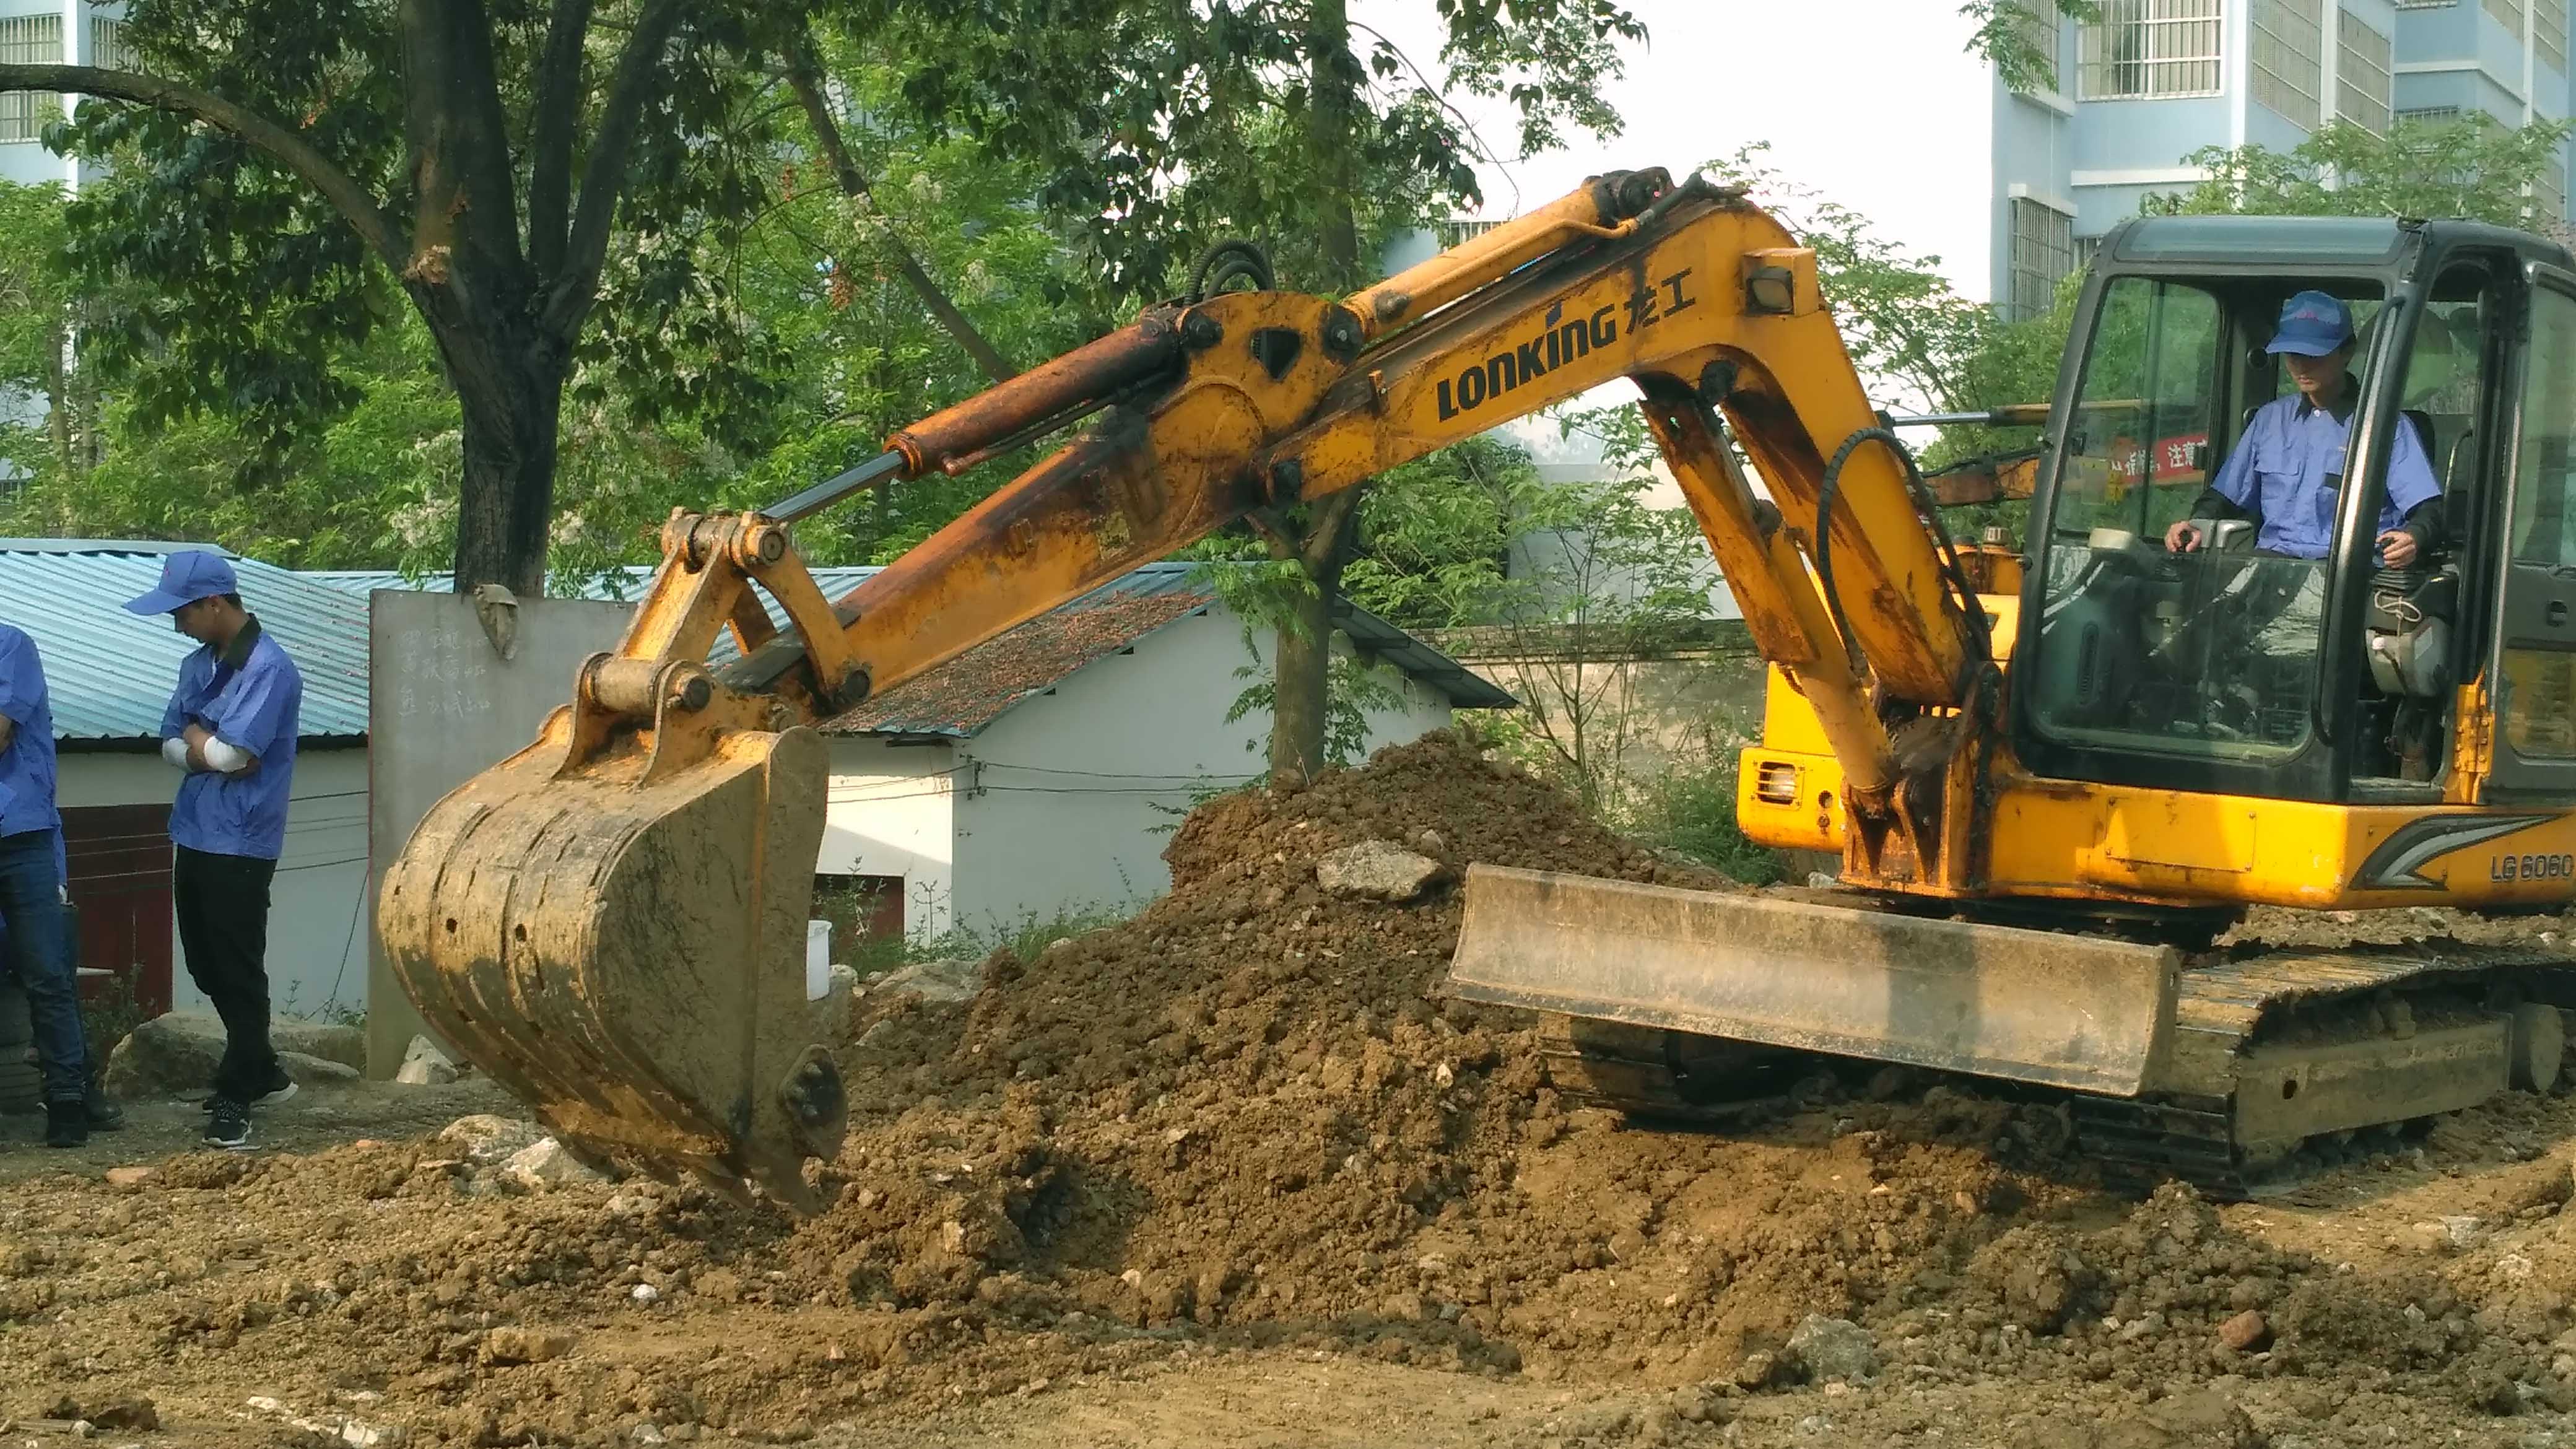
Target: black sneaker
x: 103, y: 1113
x: 66, y: 1125
x: 228, y: 1126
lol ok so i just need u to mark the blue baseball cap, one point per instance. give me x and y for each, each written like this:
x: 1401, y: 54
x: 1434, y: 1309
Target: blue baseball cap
x: 2312, y: 325
x: 186, y: 577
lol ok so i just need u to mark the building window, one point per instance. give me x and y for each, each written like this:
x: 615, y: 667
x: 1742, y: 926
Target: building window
x: 2549, y: 33
x: 2429, y: 113
x: 2149, y: 49
x: 1458, y: 231
x: 29, y: 40
x: 2426, y: 4
x: 2036, y: 21
x: 107, y: 47
x: 2361, y: 74
x: 2507, y: 13
x: 2043, y: 252
x: 2288, y: 44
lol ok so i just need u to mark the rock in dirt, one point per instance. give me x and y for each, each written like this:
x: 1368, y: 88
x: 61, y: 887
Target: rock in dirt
x: 484, y: 1139
x: 1758, y: 1368
x: 126, y: 1411
x: 1833, y: 1348
x: 2245, y: 1332
x: 939, y: 981
x: 545, y: 1164
x: 178, y: 1050
x: 128, y: 1176
x: 1375, y: 870
x: 524, y: 1345
x: 424, y: 1065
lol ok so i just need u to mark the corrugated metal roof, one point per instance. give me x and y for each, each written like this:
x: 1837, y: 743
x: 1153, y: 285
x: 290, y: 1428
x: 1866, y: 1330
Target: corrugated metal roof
x: 110, y: 672
x: 967, y: 693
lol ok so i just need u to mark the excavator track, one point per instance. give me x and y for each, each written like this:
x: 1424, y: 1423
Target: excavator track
x: 2376, y: 1037
x: 1665, y: 1076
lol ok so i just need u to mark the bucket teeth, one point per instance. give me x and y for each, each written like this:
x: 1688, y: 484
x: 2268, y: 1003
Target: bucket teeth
x: 623, y: 950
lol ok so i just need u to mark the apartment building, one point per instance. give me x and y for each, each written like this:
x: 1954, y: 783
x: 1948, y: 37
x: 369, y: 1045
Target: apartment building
x: 2149, y: 82
x: 69, y: 32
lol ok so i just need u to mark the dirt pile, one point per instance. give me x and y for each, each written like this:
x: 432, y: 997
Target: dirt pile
x: 1238, y: 1123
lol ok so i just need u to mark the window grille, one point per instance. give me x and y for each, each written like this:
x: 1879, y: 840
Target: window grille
x: 2150, y: 50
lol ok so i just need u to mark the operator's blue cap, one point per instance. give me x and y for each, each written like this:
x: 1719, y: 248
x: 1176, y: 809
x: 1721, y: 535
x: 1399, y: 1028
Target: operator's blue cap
x: 2312, y: 325
x: 186, y: 577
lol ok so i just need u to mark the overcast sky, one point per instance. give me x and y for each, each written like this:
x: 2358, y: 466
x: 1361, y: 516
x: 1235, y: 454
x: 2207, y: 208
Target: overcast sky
x: 1871, y: 102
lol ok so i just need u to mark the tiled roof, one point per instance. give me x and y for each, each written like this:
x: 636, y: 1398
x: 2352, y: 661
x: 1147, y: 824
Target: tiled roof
x: 968, y: 692
x: 110, y: 673
x: 972, y: 690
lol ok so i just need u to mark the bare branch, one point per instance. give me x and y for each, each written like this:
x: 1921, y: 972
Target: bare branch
x: 550, y: 134
x: 639, y: 70
x: 371, y: 222
x: 805, y: 74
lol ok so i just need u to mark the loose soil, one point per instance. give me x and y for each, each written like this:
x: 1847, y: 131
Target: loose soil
x: 1226, y: 1175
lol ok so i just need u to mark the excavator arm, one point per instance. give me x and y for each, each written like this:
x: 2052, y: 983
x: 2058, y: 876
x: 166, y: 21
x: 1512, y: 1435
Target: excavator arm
x: 612, y: 920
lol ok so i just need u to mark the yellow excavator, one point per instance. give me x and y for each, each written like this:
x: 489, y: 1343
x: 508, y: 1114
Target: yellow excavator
x: 2052, y: 774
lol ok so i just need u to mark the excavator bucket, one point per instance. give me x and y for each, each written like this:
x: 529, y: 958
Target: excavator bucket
x: 621, y: 945
x: 1999, y: 1001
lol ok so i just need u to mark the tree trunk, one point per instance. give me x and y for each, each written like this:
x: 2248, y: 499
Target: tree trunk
x: 1334, y: 78
x: 1301, y: 699
x: 1301, y: 675
x: 505, y: 500
x: 58, y: 400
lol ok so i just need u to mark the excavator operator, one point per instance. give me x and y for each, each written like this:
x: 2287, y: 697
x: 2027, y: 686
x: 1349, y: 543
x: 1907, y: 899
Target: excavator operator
x: 2286, y: 471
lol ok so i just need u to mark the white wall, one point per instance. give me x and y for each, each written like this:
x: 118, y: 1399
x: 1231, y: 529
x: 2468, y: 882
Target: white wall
x: 315, y: 959
x: 1057, y: 811
x: 892, y: 812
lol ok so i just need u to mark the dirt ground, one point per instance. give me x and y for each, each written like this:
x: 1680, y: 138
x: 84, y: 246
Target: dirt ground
x: 1224, y: 1175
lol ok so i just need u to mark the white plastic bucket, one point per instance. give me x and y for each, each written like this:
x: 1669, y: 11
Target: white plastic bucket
x: 818, y: 959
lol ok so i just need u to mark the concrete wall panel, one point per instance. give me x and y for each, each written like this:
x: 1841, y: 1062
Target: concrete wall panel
x: 443, y: 706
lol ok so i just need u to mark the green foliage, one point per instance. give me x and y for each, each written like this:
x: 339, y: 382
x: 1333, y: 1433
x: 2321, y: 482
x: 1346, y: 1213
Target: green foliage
x: 2012, y: 34
x: 1914, y: 338
x: 1352, y: 688
x: 1691, y: 813
x: 1171, y: 127
x: 2471, y: 166
x: 236, y: 287
x: 1435, y: 535
x: 373, y: 488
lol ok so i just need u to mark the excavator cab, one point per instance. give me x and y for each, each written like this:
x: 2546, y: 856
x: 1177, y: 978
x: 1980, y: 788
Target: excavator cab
x: 2238, y: 669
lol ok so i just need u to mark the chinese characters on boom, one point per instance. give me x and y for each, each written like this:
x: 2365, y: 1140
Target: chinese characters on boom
x: 1560, y: 341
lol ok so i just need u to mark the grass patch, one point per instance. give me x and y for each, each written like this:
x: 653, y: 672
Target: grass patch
x: 850, y: 908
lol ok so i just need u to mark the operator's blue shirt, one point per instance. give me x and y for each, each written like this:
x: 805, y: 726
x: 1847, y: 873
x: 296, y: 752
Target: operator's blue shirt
x: 2288, y: 467
x: 27, y: 766
x: 249, y: 696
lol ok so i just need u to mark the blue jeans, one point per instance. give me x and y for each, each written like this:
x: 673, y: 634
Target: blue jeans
x: 41, y: 952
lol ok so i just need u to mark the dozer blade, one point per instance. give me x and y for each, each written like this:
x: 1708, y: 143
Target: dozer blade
x: 624, y: 953
x: 1999, y: 1001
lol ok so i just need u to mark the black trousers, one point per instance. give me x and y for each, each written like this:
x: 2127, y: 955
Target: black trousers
x: 222, y: 905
